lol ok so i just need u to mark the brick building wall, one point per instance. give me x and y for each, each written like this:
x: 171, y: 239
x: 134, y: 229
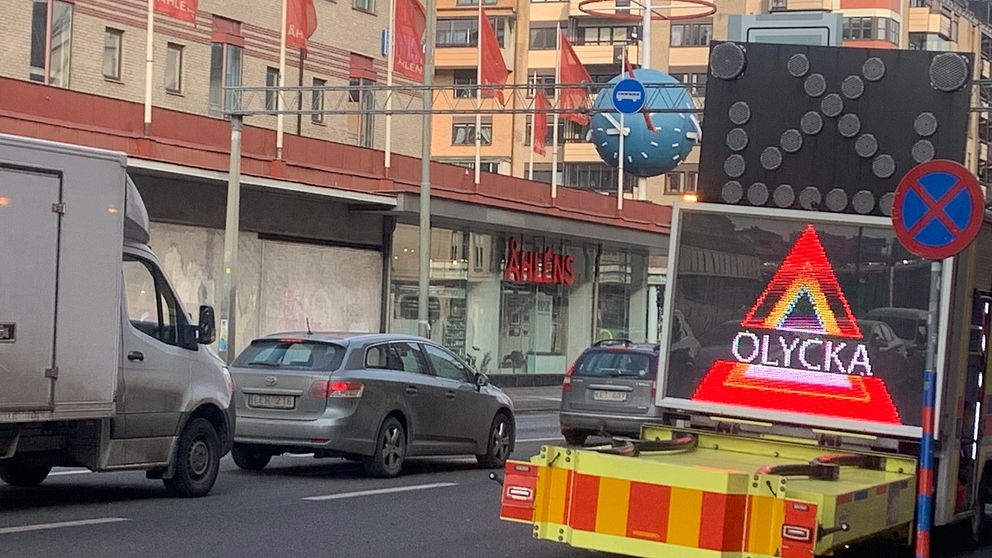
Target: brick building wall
x: 342, y: 31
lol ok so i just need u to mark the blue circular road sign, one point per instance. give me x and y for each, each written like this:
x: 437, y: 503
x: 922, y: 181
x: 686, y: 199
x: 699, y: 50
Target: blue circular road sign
x: 938, y: 209
x: 628, y: 96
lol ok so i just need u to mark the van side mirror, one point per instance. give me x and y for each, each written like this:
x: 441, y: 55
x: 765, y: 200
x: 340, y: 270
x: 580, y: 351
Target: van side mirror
x: 207, y: 328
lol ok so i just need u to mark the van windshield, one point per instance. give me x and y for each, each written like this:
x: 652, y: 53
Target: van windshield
x: 616, y: 364
x: 291, y: 353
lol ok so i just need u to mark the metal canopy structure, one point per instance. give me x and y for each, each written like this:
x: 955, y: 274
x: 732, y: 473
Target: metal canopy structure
x: 446, y: 99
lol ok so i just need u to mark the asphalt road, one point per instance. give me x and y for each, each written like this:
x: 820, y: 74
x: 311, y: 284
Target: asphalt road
x: 297, y: 507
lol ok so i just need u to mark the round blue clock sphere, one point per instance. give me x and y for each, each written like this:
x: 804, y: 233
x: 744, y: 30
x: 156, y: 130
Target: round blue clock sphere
x: 646, y: 152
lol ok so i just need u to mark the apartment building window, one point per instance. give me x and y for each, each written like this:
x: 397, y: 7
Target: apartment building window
x: 919, y: 3
x: 465, y: 81
x: 225, y: 63
x: 271, y: 80
x: 173, y: 68
x: 364, y: 5
x: 545, y: 82
x: 691, y: 34
x: 917, y: 41
x: 596, y: 176
x: 484, y: 166
x: 602, y: 35
x: 317, y: 101
x: 696, y: 82
x: 476, y: 2
x: 680, y: 182
x: 464, y: 32
x: 112, y: 39
x: 542, y: 173
x: 543, y: 38
x: 878, y: 28
x: 463, y: 133
x: 51, y: 38
x: 366, y: 100
x: 549, y: 133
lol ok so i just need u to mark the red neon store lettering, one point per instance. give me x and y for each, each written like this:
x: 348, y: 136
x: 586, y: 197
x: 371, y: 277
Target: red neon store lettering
x: 538, y: 267
x: 796, y: 353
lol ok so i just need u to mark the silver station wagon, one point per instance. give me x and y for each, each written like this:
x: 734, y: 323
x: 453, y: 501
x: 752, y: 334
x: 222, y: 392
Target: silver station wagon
x: 377, y: 398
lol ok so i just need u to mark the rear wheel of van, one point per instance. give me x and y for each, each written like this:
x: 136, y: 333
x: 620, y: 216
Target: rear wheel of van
x: 24, y: 475
x: 197, y: 461
x: 250, y: 458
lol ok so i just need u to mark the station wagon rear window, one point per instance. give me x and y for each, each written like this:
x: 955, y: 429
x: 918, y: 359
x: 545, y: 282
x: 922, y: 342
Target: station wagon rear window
x: 616, y: 364
x: 291, y: 353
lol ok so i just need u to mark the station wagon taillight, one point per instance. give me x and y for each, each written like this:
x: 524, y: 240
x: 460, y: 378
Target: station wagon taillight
x: 566, y: 383
x: 337, y: 390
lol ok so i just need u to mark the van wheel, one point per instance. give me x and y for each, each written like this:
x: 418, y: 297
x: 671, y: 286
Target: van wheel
x: 197, y: 461
x: 500, y: 443
x: 390, y: 451
x: 24, y: 475
x: 250, y: 458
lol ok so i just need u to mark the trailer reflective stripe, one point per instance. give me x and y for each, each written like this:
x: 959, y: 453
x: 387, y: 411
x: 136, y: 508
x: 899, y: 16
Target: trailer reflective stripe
x: 766, y: 516
x: 689, y: 504
x: 612, y: 506
x: 727, y: 510
x: 585, y: 499
x: 554, y: 483
x: 649, y: 511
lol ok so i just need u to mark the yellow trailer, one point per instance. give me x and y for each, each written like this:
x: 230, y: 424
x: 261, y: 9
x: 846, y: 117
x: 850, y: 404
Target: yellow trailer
x: 792, y: 431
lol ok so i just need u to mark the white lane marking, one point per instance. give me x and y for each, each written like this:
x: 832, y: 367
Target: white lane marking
x: 70, y: 472
x: 300, y: 455
x: 61, y: 524
x: 379, y: 491
x: 554, y: 439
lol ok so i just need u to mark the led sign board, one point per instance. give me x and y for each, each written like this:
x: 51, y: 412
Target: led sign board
x: 800, y: 319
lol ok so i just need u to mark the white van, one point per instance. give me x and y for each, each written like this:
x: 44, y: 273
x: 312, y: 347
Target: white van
x: 100, y: 364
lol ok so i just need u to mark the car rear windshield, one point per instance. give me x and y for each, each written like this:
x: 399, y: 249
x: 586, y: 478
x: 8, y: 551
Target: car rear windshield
x: 291, y: 353
x: 616, y: 364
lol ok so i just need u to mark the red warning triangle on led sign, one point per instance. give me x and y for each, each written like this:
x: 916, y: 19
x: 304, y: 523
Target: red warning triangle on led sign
x: 805, y: 274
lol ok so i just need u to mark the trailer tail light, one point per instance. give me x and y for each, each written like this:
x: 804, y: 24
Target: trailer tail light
x: 519, y: 491
x: 799, y: 530
x: 330, y: 389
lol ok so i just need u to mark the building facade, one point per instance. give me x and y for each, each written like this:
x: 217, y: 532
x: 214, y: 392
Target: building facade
x: 527, y: 29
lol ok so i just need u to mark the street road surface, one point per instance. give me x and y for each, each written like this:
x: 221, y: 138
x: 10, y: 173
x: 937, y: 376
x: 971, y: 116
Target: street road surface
x: 297, y: 507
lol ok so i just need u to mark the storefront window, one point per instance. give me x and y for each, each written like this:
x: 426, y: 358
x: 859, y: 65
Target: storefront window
x: 517, y: 304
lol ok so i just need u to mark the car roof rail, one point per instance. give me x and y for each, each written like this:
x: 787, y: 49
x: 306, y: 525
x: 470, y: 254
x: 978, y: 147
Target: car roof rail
x: 612, y: 342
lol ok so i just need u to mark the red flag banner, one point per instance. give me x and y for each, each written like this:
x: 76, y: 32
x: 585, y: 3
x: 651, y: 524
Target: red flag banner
x: 571, y: 70
x: 494, y: 70
x: 301, y: 22
x: 179, y: 9
x: 408, y: 57
x: 539, y: 124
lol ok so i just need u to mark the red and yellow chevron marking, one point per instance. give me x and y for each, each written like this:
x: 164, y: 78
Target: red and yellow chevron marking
x: 673, y: 515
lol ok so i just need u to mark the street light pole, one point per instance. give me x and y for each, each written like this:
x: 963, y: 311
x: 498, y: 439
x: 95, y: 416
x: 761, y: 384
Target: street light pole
x: 232, y: 223
x: 424, y: 244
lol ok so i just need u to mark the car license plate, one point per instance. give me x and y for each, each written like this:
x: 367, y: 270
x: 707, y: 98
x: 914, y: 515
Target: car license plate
x: 271, y: 401
x: 618, y: 396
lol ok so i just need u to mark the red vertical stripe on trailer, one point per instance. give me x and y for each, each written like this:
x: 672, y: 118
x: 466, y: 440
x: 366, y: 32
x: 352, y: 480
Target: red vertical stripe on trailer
x: 722, y: 520
x: 647, y: 517
x: 585, y: 498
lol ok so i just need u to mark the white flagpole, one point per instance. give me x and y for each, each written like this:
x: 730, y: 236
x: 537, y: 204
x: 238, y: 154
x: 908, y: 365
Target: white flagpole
x: 620, y: 151
x: 478, y: 100
x: 646, y: 15
x: 390, y: 60
x: 149, y: 49
x: 533, y: 132
x: 280, y: 118
x: 554, y: 133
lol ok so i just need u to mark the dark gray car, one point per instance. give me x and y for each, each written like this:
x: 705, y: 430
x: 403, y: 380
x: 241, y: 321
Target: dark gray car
x: 378, y: 398
x: 609, y: 390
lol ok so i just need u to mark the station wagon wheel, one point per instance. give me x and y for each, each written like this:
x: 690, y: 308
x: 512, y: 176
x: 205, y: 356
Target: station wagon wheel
x: 390, y: 450
x: 499, y: 442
